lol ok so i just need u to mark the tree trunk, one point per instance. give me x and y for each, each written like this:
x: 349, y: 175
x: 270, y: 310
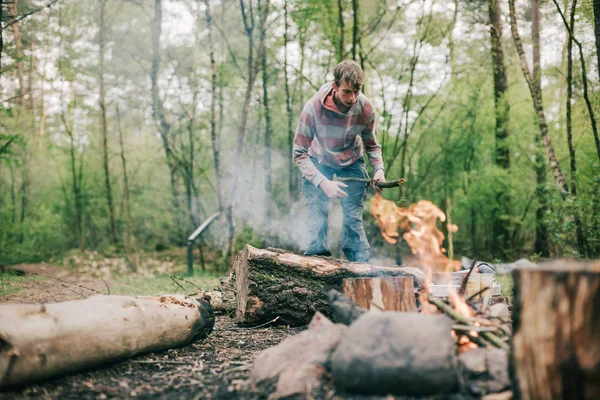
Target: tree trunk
x: 268, y: 130
x: 158, y: 111
x: 47, y: 340
x: 597, y: 30
x: 537, y: 102
x: 569, y: 121
x: 214, y: 135
x: 393, y: 293
x: 355, y: 29
x: 501, y: 228
x: 13, y: 14
x: 556, y: 341
x: 541, y: 228
x: 273, y: 283
x: 288, y: 103
x: 102, y: 104
x: 342, y: 26
x: 253, y: 67
x: 126, y: 192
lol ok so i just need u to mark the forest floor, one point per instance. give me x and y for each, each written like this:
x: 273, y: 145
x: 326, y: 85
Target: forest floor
x: 217, y: 367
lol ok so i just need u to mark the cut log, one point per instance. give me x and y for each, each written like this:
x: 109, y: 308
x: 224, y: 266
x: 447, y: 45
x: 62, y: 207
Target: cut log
x: 272, y: 284
x: 556, y: 341
x: 48, y: 340
x: 390, y: 293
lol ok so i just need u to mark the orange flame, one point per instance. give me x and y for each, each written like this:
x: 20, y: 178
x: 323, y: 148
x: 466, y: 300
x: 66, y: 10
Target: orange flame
x: 419, y: 223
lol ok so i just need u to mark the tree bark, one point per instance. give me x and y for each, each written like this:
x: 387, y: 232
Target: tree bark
x: 268, y: 129
x: 355, y: 29
x: 556, y: 341
x: 288, y: 102
x: 102, y: 104
x: 46, y: 340
x: 586, y: 96
x: 537, y: 102
x: 569, y: 122
x: 393, y: 293
x: 342, y: 26
x: 541, y: 228
x: 253, y: 68
x: 501, y: 228
x: 158, y: 112
x: 13, y: 14
x: 126, y: 191
x: 597, y: 30
x: 274, y: 283
x: 214, y: 136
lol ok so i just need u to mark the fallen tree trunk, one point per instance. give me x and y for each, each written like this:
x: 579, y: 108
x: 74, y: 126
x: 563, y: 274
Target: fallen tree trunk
x: 47, y: 340
x: 389, y: 293
x: 556, y: 341
x: 275, y: 283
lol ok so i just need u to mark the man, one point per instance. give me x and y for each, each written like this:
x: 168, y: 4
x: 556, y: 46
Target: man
x: 332, y: 128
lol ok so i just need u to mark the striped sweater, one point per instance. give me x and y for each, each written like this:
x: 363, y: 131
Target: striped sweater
x: 333, y: 138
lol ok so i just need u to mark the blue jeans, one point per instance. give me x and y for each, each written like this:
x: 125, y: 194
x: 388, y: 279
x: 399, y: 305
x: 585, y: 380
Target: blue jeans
x: 355, y: 244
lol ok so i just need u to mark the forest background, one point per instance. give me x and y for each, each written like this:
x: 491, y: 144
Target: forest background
x: 126, y: 123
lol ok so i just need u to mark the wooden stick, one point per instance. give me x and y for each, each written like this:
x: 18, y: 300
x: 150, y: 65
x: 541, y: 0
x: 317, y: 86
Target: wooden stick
x: 466, y: 328
x: 446, y: 309
x: 463, y: 284
x: 382, y: 185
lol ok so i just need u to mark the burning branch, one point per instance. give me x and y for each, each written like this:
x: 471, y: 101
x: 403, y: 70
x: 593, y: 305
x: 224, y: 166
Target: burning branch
x: 449, y: 311
x: 381, y: 185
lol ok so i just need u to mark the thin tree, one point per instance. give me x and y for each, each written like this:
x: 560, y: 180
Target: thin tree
x: 253, y: 66
x: 130, y: 243
x: 288, y: 99
x: 158, y: 111
x: 597, y: 31
x: 214, y: 86
x: 541, y: 228
x: 13, y: 18
x: 268, y: 128
x: 102, y: 105
x: 537, y: 102
x: 76, y: 177
x: 355, y: 29
x: 579, y: 234
x: 500, y: 229
x: 586, y: 97
x: 341, y: 51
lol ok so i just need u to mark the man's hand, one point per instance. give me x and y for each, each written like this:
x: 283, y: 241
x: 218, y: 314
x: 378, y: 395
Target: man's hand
x: 333, y: 189
x: 378, y: 177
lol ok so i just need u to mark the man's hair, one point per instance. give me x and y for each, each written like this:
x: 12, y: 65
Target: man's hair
x: 349, y: 71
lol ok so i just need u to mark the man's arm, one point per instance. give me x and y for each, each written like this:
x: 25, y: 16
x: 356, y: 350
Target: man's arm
x: 305, y: 133
x: 373, y: 148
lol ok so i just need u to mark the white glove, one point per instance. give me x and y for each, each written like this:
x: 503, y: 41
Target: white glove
x: 378, y: 177
x: 333, y: 189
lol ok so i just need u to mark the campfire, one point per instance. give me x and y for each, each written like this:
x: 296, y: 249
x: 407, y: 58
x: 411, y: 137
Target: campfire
x: 468, y: 293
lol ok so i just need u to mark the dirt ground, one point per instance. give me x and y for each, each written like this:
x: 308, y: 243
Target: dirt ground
x: 217, y: 367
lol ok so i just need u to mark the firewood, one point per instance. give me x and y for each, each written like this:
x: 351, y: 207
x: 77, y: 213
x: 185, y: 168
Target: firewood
x: 556, y: 340
x: 449, y: 311
x: 47, y: 340
x: 391, y: 293
x: 382, y: 185
x: 293, y: 287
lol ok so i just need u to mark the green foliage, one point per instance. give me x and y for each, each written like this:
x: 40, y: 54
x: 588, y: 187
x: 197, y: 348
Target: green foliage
x: 440, y: 134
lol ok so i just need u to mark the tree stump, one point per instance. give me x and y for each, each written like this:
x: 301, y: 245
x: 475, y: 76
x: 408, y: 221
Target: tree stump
x: 556, y: 341
x: 39, y: 341
x: 390, y: 293
x: 275, y: 283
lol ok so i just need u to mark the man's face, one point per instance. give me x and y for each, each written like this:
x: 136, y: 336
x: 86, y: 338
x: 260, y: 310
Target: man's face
x: 347, y: 93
